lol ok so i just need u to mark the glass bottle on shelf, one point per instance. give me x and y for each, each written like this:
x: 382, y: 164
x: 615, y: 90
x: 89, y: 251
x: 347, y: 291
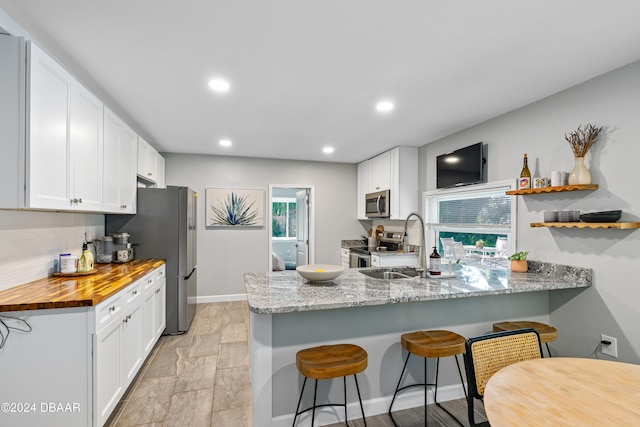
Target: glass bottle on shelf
x: 525, y: 175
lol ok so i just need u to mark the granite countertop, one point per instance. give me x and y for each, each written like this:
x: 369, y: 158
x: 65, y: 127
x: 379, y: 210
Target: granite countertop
x: 78, y: 291
x: 394, y: 253
x: 287, y: 292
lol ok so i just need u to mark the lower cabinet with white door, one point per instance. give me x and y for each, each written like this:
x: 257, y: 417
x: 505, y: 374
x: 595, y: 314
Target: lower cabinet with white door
x: 128, y: 325
x: 72, y: 363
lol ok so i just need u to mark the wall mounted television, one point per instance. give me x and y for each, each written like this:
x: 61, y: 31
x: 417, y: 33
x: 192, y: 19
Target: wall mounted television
x: 464, y: 166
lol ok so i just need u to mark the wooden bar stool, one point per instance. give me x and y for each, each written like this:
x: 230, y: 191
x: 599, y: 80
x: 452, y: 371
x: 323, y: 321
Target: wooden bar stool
x: 547, y: 333
x: 326, y: 362
x: 430, y: 344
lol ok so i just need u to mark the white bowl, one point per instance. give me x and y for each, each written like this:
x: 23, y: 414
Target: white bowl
x: 319, y: 272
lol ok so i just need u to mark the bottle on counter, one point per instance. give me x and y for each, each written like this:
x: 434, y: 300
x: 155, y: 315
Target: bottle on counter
x: 85, y: 263
x: 525, y: 175
x: 434, y: 263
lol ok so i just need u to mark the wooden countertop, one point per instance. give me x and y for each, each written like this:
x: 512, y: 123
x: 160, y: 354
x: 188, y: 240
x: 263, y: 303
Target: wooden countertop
x: 79, y: 291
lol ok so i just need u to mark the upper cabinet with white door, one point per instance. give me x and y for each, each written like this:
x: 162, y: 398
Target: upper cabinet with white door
x: 395, y: 170
x: 52, y: 130
x: 64, y: 138
x: 380, y: 172
x: 120, y: 153
x: 150, y: 164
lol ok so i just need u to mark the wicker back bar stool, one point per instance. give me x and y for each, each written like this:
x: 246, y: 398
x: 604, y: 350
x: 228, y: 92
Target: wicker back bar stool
x: 547, y: 332
x: 327, y: 362
x: 430, y: 345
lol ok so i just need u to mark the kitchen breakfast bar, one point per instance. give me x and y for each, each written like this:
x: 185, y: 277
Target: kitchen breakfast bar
x: 288, y: 313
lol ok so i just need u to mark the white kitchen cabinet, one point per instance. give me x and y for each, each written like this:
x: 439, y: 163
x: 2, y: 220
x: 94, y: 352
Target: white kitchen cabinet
x: 160, y: 312
x: 396, y: 170
x: 108, y: 372
x: 65, y: 139
x: 345, y: 254
x: 404, y: 182
x: 148, y: 314
x: 52, y: 130
x: 126, y: 331
x: 147, y: 161
x: 154, y: 309
x: 120, y: 153
x: 380, y: 172
x: 131, y: 343
x: 161, y: 179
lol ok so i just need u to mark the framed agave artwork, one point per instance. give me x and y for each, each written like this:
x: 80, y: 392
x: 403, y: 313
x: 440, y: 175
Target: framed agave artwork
x: 234, y: 208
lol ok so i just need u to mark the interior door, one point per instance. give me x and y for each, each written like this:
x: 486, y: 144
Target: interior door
x: 302, y: 226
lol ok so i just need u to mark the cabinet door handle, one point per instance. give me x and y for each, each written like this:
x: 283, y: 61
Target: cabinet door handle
x: 80, y: 200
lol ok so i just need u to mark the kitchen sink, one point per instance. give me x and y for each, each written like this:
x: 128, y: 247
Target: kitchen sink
x: 389, y: 274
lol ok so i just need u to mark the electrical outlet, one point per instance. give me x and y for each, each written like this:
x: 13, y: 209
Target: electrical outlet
x: 610, y: 349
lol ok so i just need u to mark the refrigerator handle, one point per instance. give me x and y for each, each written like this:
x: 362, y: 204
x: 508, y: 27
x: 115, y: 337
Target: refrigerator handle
x: 190, y: 274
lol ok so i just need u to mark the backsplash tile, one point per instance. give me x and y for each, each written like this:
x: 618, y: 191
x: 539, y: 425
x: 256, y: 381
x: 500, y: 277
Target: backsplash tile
x: 31, y: 241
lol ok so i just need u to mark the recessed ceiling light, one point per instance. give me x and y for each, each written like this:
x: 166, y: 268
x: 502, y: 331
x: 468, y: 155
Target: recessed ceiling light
x: 225, y: 142
x: 219, y: 85
x: 328, y: 150
x: 385, y: 106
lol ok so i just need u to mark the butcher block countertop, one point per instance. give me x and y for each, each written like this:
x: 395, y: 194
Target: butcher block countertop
x: 78, y: 291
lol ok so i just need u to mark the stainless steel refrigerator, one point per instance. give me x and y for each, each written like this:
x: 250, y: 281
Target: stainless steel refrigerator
x: 164, y: 226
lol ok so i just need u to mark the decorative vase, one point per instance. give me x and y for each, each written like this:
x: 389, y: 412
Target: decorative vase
x: 579, y: 174
x: 519, y: 266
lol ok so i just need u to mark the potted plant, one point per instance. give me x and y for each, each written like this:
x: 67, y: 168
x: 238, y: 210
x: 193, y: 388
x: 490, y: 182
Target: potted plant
x: 519, y: 262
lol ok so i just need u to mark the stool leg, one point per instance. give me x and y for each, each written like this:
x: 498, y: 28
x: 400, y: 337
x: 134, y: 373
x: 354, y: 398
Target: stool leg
x: 299, y: 400
x: 313, y: 411
x: 461, y: 379
x: 548, y: 351
x: 427, y: 385
x: 364, y: 419
x: 398, y: 386
x: 435, y: 393
x: 344, y: 381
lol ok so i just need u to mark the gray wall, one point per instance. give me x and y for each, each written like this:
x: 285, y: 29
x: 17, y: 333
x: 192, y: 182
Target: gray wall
x: 225, y: 255
x: 612, y: 100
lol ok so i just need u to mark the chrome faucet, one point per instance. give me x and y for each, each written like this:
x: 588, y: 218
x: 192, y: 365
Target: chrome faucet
x: 423, y: 249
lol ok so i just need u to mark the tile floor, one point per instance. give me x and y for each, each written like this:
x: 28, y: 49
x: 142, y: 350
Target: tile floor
x: 197, y: 379
x: 201, y: 378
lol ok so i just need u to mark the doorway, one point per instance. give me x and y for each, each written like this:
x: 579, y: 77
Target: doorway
x: 291, y: 226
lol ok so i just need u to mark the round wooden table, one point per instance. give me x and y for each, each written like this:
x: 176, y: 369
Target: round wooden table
x: 563, y: 391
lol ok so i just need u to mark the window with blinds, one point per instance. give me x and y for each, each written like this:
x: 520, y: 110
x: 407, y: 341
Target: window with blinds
x: 485, y: 210
x: 472, y: 214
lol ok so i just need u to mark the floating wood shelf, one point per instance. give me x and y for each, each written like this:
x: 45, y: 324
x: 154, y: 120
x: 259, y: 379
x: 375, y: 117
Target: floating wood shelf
x: 556, y: 189
x: 618, y: 225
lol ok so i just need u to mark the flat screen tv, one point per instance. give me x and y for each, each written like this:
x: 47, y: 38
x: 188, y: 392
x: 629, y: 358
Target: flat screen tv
x: 464, y: 166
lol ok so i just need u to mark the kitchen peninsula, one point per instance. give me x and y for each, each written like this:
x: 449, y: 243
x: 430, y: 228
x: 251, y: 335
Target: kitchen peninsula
x: 289, y: 314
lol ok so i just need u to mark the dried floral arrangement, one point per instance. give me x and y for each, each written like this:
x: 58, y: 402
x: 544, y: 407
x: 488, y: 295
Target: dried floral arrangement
x: 583, y: 138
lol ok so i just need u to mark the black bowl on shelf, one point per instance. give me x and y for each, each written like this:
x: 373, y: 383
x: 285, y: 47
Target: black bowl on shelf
x: 604, y: 216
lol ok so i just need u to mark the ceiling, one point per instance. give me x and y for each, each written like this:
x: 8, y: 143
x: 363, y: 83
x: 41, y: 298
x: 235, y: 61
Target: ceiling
x: 307, y: 74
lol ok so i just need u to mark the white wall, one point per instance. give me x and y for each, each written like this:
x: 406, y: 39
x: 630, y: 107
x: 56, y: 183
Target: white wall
x: 612, y: 100
x: 225, y: 255
x: 31, y: 241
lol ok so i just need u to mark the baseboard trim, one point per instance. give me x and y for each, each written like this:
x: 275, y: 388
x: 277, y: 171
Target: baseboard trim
x: 377, y: 406
x: 221, y: 298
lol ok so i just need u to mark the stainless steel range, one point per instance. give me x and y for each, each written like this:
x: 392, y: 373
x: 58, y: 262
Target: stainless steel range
x: 389, y: 241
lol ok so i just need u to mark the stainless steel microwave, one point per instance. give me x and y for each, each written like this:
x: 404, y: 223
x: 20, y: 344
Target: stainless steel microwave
x: 377, y: 204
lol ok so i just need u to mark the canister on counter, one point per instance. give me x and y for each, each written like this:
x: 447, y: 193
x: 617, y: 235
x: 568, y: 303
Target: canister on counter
x: 68, y: 263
